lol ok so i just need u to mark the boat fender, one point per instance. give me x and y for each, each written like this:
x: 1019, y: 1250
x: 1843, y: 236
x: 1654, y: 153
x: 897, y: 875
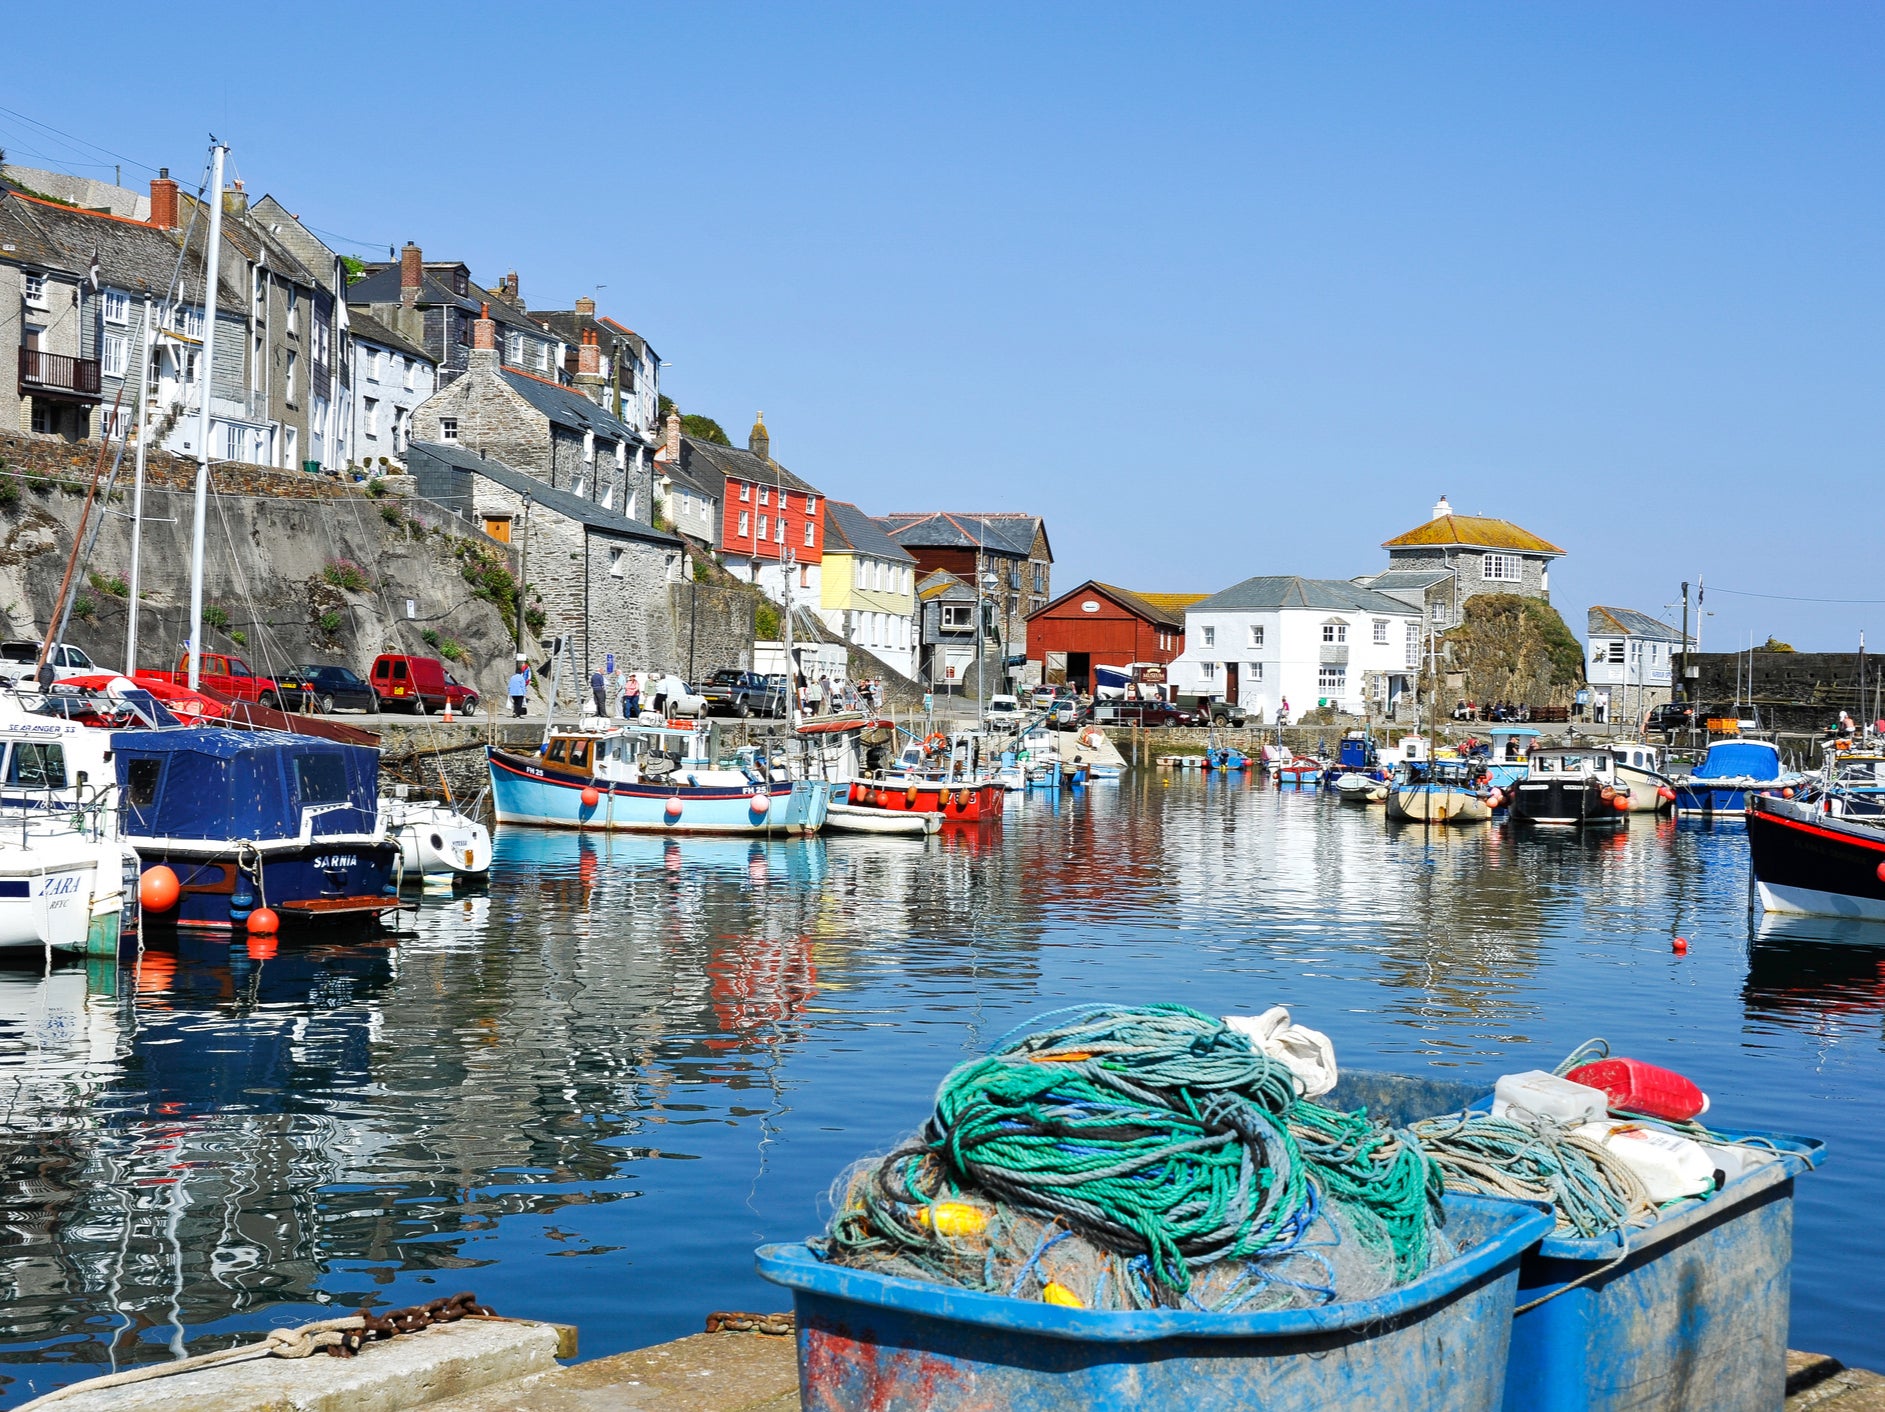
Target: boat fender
x: 1881, y: 872
x: 673, y: 810
x: 1622, y: 802
x: 158, y: 889
x: 909, y: 797
x: 1666, y: 794
x: 591, y: 796
x: 1646, y: 1090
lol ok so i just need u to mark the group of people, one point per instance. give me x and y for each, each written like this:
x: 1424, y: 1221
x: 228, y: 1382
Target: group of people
x: 627, y: 691
x: 824, y: 696
x: 1497, y: 711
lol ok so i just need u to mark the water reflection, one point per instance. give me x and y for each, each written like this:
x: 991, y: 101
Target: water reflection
x: 649, y: 1053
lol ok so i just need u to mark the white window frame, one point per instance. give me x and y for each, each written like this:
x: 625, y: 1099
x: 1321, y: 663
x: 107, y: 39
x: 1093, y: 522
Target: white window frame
x: 35, y: 289
x: 370, y: 412
x: 376, y: 359
x: 293, y: 321
x: 116, y: 306
x: 778, y: 530
x: 958, y: 617
x: 811, y: 534
x: 1332, y: 679
x: 1255, y: 672
x: 765, y: 528
x: 114, y: 355
x: 746, y: 492
x: 1256, y: 634
x: 1502, y: 568
x: 1210, y: 671
x: 288, y: 379
x: 1210, y: 637
x: 617, y: 565
x: 1335, y: 633
x: 746, y: 524
x: 1381, y: 631
x: 765, y: 495
x: 448, y: 429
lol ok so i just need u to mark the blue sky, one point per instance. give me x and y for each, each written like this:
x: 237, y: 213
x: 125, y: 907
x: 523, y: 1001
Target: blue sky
x: 1219, y: 290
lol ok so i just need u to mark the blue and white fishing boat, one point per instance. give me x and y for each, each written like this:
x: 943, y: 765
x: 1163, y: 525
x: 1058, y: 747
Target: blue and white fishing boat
x: 1731, y: 770
x: 1509, y: 759
x: 248, y: 819
x: 650, y: 776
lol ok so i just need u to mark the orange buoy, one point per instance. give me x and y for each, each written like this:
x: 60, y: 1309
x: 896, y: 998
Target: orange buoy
x: 1622, y: 801
x: 591, y: 796
x: 1787, y: 793
x: 673, y: 811
x: 264, y: 922
x: 1881, y: 872
x: 1680, y: 946
x: 909, y: 797
x: 158, y: 889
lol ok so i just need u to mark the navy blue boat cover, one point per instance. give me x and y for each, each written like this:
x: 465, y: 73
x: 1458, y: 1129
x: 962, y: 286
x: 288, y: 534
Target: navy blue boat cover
x: 206, y: 782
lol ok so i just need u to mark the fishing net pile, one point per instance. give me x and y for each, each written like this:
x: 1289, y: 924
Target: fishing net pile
x: 1142, y: 1158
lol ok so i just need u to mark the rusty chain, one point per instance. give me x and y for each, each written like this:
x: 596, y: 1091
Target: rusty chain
x: 729, y: 1321
x: 409, y: 1320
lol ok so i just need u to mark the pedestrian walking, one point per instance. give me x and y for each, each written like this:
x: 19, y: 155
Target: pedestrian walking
x: 599, y: 688
x: 519, y: 686
x: 631, y: 698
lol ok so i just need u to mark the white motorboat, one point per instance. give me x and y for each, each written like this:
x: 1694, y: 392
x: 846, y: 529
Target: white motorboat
x: 61, y: 884
x: 1357, y: 788
x: 853, y: 818
x: 439, y: 846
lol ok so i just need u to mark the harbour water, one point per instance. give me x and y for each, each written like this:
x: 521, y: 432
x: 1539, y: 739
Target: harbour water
x: 589, y: 1091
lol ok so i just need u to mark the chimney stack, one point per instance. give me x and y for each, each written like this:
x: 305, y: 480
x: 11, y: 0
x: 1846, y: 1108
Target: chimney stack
x: 585, y: 307
x: 235, y: 199
x: 671, y: 442
x: 411, y: 275
x: 758, y: 441
x: 509, y: 287
x: 484, y: 340
x: 589, y: 355
x: 163, y: 200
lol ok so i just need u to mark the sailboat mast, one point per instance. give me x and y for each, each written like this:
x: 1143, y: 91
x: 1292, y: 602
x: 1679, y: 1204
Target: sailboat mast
x: 137, y: 497
x: 212, y: 259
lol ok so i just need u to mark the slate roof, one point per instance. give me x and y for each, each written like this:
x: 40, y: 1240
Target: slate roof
x: 364, y: 326
x: 942, y: 584
x: 1476, y: 531
x: 381, y: 286
x: 568, y: 325
x: 1165, y: 610
x: 1269, y: 593
x: 849, y: 528
x: 1003, y: 532
x: 131, y: 255
x: 1627, y: 622
x: 696, y: 473
x: 731, y: 461
x: 571, y: 507
x: 1400, y: 580
x: 566, y: 407
x: 285, y: 226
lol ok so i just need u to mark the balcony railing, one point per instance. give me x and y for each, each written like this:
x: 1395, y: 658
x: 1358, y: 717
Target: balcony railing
x: 56, y: 372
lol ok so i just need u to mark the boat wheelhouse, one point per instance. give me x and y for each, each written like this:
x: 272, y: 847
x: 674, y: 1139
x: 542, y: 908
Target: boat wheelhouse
x: 1569, y: 784
x: 654, y: 776
x: 1508, y: 754
x: 1639, y: 770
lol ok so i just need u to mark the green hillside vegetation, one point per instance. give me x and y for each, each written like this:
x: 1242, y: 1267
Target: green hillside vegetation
x: 1516, y: 649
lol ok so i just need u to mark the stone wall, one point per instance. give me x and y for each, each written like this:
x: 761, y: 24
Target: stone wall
x: 1802, y: 691
x: 72, y: 462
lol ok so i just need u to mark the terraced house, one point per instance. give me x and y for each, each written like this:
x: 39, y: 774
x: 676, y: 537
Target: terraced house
x: 772, y: 523
x: 869, y: 596
x: 1006, y: 553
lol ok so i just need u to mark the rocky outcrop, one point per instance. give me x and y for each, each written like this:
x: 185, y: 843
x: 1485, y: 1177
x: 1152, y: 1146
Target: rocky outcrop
x: 1512, y: 649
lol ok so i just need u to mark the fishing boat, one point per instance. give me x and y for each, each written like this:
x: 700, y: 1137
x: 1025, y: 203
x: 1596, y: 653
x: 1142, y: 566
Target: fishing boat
x: 1357, y: 787
x: 245, y: 819
x: 871, y: 818
x: 650, y: 775
x: 1510, y: 749
x: 1437, y: 792
x: 1731, y: 771
x: 962, y: 802
x: 1299, y: 770
x: 1639, y: 771
x: 1815, y: 863
x: 1570, y: 784
x: 439, y: 847
x: 62, y: 883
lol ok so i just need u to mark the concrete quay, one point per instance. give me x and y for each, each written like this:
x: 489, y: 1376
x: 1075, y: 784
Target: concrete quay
x: 508, y: 1365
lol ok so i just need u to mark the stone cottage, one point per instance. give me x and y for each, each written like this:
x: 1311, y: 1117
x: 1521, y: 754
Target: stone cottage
x: 1437, y: 566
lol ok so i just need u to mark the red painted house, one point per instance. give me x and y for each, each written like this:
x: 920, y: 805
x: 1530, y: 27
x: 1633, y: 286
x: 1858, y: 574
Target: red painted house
x: 765, y: 511
x: 1098, y: 624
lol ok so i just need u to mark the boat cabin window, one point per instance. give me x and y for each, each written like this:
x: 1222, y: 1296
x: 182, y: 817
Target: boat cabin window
x: 320, y: 779
x: 559, y: 750
x: 37, y: 765
x: 140, y: 783
x: 579, y: 754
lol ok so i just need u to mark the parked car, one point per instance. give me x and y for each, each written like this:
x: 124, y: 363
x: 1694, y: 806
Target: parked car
x: 678, y: 698
x: 1143, y: 713
x: 1670, y: 716
x: 20, y: 660
x: 732, y: 692
x: 1045, y: 697
x: 324, y: 687
x: 418, y: 684
x: 1068, y: 713
x: 1003, y: 708
x: 1210, y: 708
x: 230, y: 675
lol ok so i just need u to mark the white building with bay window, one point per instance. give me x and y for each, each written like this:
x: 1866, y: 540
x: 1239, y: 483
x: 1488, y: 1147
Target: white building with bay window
x: 1308, y: 642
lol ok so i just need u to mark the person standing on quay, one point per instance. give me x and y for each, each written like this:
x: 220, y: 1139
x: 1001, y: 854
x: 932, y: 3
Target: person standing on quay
x: 599, y: 688
x: 519, y: 688
x: 631, y: 698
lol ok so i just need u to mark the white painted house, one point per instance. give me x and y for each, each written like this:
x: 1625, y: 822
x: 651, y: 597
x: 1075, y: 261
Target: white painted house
x: 1632, y: 656
x: 1305, y: 641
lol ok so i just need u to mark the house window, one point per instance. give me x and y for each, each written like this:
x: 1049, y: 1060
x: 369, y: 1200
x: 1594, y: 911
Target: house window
x: 1616, y: 651
x: 288, y: 380
x: 1331, y: 679
x: 1210, y: 671
x: 1040, y: 577
x: 514, y: 349
x: 1439, y: 615
x: 857, y: 575
x: 956, y: 617
x: 811, y: 507
x: 765, y: 495
x: 1335, y: 632
x: 765, y: 524
x: 187, y: 321
x: 616, y: 567
x: 400, y: 416
x: 1256, y: 634
x: 448, y: 428
x: 376, y: 363
x: 1210, y: 637
x: 746, y: 491
x: 746, y: 523
x: 42, y: 417
x: 115, y: 353
x: 1413, y: 644
x: 370, y: 406
x: 1381, y: 630
x: 779, y: 531
x: 294, y: 312
x: 811, y: 533
x: 1254, y: 670
x: 117, y: 306
x: 36, y: 289
x: 1504, y: 567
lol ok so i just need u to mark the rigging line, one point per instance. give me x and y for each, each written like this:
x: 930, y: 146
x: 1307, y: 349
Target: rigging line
x: 72, y: 137
x: 1792, y: 598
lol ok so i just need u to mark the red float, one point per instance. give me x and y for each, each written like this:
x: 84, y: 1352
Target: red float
x: 158, y: 889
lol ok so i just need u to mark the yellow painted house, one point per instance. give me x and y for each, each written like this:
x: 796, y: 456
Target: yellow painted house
x: 869, y: 591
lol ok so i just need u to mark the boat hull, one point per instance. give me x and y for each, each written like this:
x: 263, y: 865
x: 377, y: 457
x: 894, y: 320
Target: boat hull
x: 1578, y: 803
x: 523, y: 793
x: 305, y: 885
x: 1650, y: 792
x: 1695, y: 796
x: 958, y: 804
x: 861, y: 818
x: 1816, y: 867
x: 1429, y: 804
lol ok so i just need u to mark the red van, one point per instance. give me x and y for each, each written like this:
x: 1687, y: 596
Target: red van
x: 418, y: 684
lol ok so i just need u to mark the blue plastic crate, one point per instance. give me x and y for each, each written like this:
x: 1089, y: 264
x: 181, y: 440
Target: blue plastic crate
x: 1685, y: 1315
x: 1439, y: 1342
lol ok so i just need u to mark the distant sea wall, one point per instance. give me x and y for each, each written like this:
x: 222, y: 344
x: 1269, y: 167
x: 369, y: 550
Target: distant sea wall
x: 1791, y: 691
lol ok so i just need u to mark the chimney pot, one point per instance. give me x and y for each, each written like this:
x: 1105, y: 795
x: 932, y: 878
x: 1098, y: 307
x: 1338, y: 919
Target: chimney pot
x: 164, y: 200
x: 509, y: 285
x: 484, y: 337
x: 411, y: 275
x: 588, y: 356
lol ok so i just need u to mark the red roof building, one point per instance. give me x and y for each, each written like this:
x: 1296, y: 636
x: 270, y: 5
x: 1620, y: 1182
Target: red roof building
x: 1098, y: 624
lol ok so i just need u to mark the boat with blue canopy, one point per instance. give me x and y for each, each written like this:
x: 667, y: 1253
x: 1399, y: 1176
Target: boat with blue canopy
x: 1729, y: 772
x: 256, y: 818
